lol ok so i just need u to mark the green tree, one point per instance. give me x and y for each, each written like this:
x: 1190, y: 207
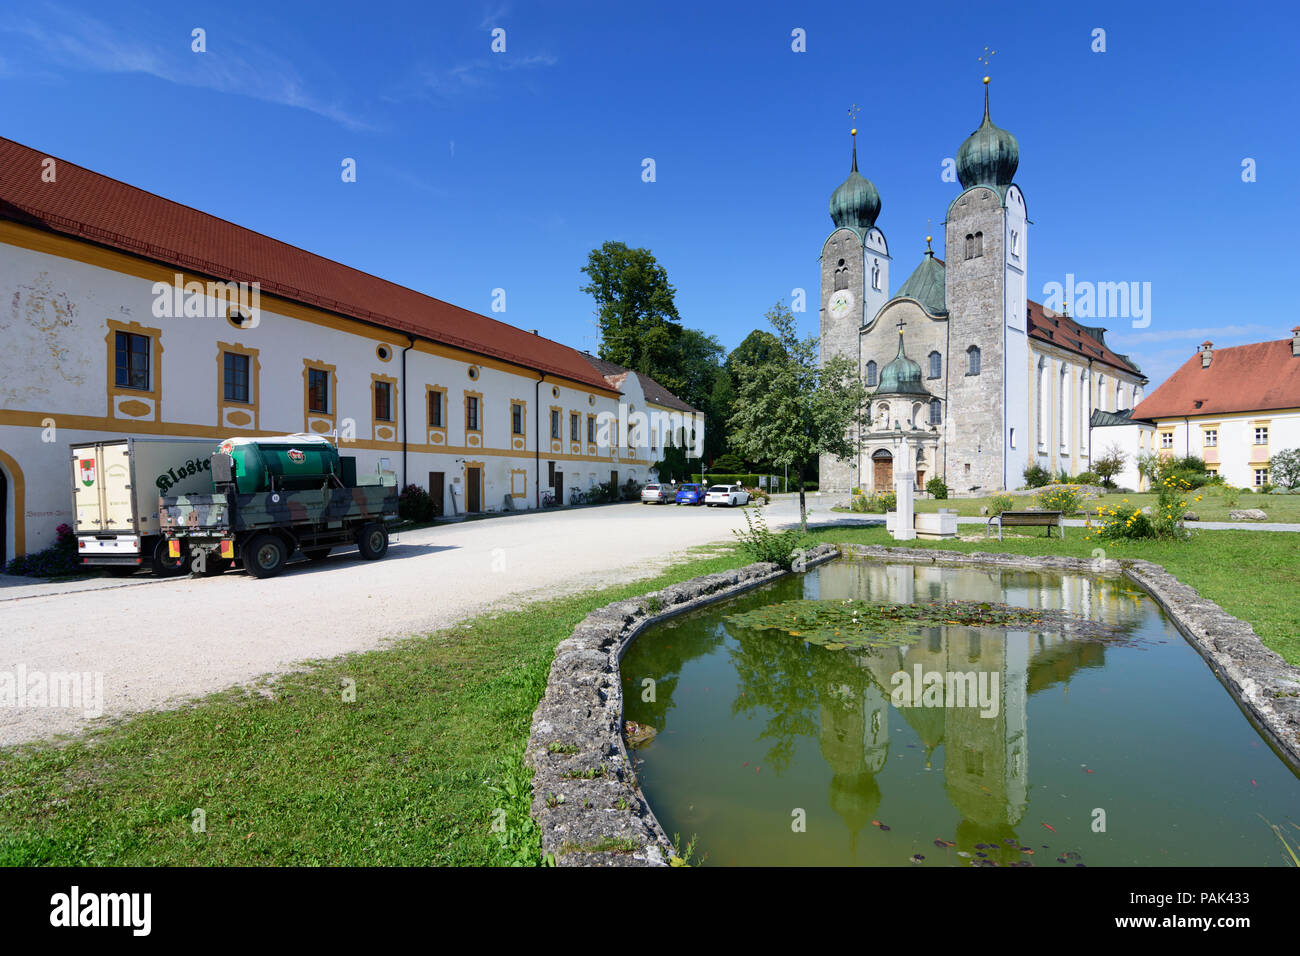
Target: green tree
x: 1109, y: 465
x: 791, y: 408
x: 639, y: 325
x: 1284, y: 468
x: 758, y: 347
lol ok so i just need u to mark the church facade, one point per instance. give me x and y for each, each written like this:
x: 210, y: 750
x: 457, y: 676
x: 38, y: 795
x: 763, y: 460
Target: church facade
x: 969, y: 380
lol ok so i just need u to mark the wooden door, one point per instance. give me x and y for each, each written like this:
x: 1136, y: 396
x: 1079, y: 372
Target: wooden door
x: 882, y: 474
x: 436, y: 492
x: 559, y: 487
x: 474, y: 490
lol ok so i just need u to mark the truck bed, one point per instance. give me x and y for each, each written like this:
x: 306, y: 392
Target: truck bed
x: 220, y: 514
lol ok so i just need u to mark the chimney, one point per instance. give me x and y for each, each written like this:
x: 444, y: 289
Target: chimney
x: 1207, y: 353
x: 1295, y: 341
x: 534, y: 331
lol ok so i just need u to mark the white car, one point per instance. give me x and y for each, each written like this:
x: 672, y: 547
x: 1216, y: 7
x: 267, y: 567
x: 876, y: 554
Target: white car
x: 730, y: 495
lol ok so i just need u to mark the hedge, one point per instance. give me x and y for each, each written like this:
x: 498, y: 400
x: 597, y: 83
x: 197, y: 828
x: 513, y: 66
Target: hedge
x: 775, y: 482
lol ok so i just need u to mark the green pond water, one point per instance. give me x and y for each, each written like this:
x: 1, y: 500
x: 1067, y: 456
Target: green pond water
x: 773, y: 751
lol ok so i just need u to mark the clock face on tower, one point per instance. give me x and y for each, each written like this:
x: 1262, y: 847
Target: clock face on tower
x: 840, y: 304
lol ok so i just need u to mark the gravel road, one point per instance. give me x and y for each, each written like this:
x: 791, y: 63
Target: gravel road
x: 159, y: 643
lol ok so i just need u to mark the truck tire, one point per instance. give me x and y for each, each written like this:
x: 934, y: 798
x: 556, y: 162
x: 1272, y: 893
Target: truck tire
x: 265, y: 556
x: 316, y: 554
x: 168, y: 567
x: 373, y: 541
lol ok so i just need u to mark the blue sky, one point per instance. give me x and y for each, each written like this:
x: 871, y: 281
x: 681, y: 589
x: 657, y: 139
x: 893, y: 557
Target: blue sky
x: 478, y: 170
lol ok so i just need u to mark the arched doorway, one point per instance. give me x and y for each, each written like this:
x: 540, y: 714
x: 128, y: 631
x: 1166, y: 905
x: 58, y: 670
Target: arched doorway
x: 882, y: 469
x: 4, y: 519
x: 12, y: 513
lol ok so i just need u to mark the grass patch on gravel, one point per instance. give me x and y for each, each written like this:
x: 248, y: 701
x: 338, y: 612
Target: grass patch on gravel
x: 290, y: 774
x: 411, y: 772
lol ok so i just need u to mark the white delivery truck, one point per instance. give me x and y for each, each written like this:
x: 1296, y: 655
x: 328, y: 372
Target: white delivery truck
x: 115, y: 490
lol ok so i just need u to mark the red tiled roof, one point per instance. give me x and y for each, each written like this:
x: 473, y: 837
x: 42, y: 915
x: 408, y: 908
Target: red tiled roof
x: 88, y: 206
x: 1064, y: 332
x: 1242, y: 378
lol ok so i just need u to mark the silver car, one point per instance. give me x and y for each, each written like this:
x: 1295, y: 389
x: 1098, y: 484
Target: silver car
x: 656, y: 494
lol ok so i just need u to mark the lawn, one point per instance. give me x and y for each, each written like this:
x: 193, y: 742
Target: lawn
x: 412, y: 771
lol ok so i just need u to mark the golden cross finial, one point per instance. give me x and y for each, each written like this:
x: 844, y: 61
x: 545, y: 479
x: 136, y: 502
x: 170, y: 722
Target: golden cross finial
x: 984, y: 58
x: 854, y: 110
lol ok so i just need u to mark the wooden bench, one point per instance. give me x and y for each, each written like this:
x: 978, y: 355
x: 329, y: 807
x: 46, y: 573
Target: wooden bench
x: 1027, y: 519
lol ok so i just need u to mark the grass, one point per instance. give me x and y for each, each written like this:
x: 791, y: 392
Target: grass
x: 414, y: 772
x: 425, y: 766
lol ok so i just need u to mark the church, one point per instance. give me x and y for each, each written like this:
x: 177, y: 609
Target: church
x: 968, y: 379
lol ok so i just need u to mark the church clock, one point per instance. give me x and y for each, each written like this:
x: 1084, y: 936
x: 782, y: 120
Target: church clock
x: 841, y: 303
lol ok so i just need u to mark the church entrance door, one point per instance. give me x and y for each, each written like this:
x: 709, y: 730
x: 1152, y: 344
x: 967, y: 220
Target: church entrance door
x: 882, y: 471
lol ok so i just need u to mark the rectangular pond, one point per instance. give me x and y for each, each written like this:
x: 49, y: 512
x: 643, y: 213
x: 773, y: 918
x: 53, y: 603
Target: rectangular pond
x: 1034, y: 741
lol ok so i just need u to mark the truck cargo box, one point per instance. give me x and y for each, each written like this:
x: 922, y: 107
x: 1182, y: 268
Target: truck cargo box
x: 116, y: 485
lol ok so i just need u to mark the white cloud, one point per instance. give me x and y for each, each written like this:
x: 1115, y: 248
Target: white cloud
x: 84, y: 43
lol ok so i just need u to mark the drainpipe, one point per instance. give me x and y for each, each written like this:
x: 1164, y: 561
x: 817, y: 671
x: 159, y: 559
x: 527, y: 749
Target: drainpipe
x: 410, y: 345
x: 1089, y: 414
x: 947, y: 370
x: 537, y: 438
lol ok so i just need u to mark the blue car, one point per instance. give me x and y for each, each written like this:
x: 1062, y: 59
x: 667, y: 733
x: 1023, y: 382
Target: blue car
x: 690, y: 494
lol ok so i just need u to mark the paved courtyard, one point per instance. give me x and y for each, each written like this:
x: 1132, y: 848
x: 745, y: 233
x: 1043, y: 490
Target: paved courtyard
x: 158, y: 643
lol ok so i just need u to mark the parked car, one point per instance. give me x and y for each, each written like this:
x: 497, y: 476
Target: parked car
x: 690, y: 494
x: 729, y: 495
x: 656, y: 495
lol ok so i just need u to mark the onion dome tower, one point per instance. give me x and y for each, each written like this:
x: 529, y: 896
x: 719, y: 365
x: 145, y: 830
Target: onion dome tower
x: 989, y: 156
x: 855, y: 204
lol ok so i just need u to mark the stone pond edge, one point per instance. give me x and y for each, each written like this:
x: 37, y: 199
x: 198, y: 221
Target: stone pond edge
x: 586, y: 800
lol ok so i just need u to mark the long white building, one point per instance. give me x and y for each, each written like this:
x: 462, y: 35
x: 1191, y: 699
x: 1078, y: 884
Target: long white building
x: 123, y: 313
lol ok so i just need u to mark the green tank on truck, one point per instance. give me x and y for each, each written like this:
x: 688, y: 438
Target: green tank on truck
x: 272, y: 497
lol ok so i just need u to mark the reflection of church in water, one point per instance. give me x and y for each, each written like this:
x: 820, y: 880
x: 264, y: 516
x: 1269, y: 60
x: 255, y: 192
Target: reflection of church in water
x: 985, y: 759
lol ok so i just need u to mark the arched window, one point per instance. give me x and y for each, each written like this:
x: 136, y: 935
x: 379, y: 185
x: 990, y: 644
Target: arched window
x: 1101, y: 393
x: 915, y: 421
x: 970, y: 246
x: 1063, y: 403
x: 979, y: 244
x: 973, y: 360
x: 936, y: 365
x: 871, y: 375
x: 1044, y: 403
x: 936, y: 412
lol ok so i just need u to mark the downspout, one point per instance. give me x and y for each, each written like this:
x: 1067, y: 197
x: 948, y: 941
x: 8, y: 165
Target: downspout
x: 947, y: 370
x: 411, y: 345
x: 537, y: 438
x: 1089, y: 414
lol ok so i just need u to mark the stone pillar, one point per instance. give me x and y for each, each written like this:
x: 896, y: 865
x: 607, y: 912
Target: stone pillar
x: 904, y: 515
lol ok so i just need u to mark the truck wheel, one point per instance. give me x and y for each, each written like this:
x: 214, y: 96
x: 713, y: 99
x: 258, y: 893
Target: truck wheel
x: 373, y: 542
x: 166, y: 566
x: 317, y: 554
x: 265, y: 556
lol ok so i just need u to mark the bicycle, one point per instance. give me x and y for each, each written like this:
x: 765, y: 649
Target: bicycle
x: 548, y: 500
